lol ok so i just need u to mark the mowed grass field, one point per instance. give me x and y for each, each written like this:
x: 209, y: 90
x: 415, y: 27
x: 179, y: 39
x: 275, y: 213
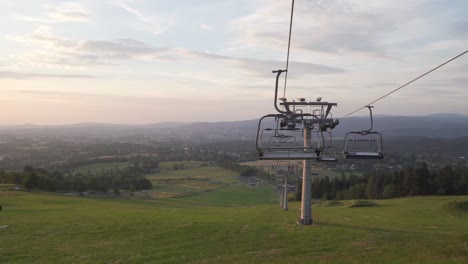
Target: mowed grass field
x: 231, y: 224
x: 193, y: 179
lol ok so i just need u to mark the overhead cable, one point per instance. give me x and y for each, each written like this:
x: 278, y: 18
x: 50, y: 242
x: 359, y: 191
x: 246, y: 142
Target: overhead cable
x: 289, y: 47
x: 406, y: 84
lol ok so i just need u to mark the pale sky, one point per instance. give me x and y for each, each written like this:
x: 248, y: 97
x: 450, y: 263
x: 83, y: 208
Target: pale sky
x: 136, y: 61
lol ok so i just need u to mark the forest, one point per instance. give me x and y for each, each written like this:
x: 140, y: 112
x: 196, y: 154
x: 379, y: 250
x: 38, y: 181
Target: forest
x: 411, y: 180
x: 115, y: 179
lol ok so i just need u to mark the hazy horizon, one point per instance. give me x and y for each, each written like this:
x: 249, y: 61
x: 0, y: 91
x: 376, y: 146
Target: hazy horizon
x: 142, y: 62
x: 216, y: 121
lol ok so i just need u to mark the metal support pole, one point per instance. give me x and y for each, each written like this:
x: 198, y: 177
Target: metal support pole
x: 306, y: 203
x: 285, y: 192
x: 281, y: 198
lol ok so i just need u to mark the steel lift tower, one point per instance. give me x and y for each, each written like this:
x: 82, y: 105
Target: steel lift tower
x: 289, y: 135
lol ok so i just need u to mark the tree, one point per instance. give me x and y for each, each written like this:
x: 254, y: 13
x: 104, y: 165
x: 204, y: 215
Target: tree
x: 447, y: 180
x: 390, y: 191
x: 116, y: 186
x: 423, y: 175
x: 28, y: 168
x: 357, y: 191
x: 143, y: 183
x: 92, y: 183
x: 410, y: 186
x: 27, y: 183
x: 30, y: 179
x: 248, y: 171
x: 371, y: 188
x: 132, y: 189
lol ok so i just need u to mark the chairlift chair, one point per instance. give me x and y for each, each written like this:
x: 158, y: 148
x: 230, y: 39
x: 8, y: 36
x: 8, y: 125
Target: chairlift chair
x: 285, y: 141
x: 282, y: 144
x: 328, y: 155
x: 328, y: 151
x: 366, y: 144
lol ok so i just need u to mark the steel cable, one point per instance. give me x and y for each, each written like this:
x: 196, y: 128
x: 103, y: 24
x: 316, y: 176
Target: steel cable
x: 406, y: 84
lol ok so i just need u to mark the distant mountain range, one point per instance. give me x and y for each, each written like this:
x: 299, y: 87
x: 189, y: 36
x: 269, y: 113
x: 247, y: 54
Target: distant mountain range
x: 433, y: 126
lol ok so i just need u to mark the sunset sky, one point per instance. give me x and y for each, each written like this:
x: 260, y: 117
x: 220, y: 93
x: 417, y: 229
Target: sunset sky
x: 124, y: 61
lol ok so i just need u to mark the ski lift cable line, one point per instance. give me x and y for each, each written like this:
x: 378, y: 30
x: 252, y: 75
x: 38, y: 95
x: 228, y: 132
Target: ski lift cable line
x: 406, y: 84
x: 289, y: 47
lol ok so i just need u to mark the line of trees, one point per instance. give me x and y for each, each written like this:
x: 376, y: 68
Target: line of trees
x: 410, y: 181
x: 115, y: 179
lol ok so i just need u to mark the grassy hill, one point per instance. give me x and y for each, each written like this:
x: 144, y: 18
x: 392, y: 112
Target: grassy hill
x: 233, y: 224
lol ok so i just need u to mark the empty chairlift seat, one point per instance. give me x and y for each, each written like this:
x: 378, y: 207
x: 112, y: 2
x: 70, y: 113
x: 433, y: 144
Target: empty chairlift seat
x: 276, y: 144
x: 366, y: 144
x: 363, y: 145
x: 328, y: 155
x: 328, y: 151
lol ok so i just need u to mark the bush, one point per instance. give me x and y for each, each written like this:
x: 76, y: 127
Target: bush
x: 331, y: 204
x: 459, y: 206
x: 292, y: 197
x: 360, y: 203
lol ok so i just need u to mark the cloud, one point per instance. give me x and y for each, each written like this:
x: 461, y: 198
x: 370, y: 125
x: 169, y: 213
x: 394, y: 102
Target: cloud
x: 69, y: 16
x: 120, y: 48
x: 50, y: 93
x: 66, y: 59
x: 23, y: 76
x: 136, y: 99
x: 68, y: 11
x: 34, y: 19
x: 155, y: 23
x: 332, y: 26
x: 262, y: 68
x: 69, y: 52
x: 206, y: 27
x: 63, y: 12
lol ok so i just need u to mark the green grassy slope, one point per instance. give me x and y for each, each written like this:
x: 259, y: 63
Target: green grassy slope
x: 235, y: 224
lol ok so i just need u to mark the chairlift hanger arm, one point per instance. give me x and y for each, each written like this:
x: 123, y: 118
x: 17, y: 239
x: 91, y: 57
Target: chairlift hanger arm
x: 371, y: 118
x: 329, y: 107
x: 278, y: 73
x: 368, y: 131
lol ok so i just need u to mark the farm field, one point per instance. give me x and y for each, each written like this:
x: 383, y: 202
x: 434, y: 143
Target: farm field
x: 97, y: 167
x: 195, y: 172
x: 234, y: 224
x: 168, y: 165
